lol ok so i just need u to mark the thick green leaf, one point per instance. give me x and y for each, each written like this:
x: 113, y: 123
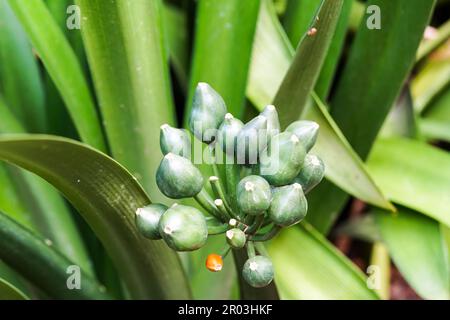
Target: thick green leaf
x: 9, y: 292
x: 379, y: 62
x: 378, y: 65
x: 20, y: 73
x: 294, y: 92
x: 107, y: 196
x: 222, y: 49
x: 307, y: 266
x: 271, y: 58
x: 430, y: 81
x: 428, y: 46
x: 298, y: 18
x: 62, y: 65
x: 435, y: 123
x: 177, y: 41
x: 415, y: 244
x: 127, y: 57
x: 435, y: 129
x: 362, y: 228
x: 42, y: 265
x: 331, y: 63
x: 413, y: 174
x: 36, y: 204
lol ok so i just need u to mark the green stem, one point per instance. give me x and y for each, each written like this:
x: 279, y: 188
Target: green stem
x: 42, y: 265
x: 219, y: 192
x: 225, y: 216
x: 207, y: 203
x: 232, y: 172
x: 217, y: 229
x: 261, y: 249
x: 269, y: 235
x: 254, y: 227
x: 250, y: 249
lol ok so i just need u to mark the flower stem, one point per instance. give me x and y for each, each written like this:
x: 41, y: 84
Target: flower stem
x: 269, y: 235
x: 207, y: 203
x: 254, y: 227
x: 232, y: 172
x: 261, y: 249
x: 250, y: 249
x: 219, y: 192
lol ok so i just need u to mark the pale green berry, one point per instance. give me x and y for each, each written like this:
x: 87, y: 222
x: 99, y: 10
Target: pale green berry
x: 311, y: 173
x: 281, y: 162
x: 306, y: 131
x: 258, y: 271
x: 236, y: 238
x: 273, y: 123
x: 183, y: 228
x: 174, y: 140
x: 147, y: 220
x: 208, y: 112
x: 228, y: 131
x: 289, y: 205
x: 251, y: 140
x: 178, y: 178
x: 253, y: 195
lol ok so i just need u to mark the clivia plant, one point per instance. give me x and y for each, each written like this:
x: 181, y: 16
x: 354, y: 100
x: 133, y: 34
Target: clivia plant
x: 250, y: 104
x: 267, y: 175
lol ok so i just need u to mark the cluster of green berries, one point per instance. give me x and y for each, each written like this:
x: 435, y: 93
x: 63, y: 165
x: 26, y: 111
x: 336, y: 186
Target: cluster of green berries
x: 256, y: 194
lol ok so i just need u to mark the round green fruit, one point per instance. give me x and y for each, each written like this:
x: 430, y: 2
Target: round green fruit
x: 273, y: 123
x: 306, y: 131
x: 289, y: 205
x: 228, y: 131
x: 178, y: 178
x: 147, y: 220
x: 258, y: 271
x: 183, y: 228
x: 253, y: 195
x: 281, y: 162
x: 311, y: 173
x: 174, y: 140
x: 236, y: 238
x: 251, y: 140
x: 208, y: 112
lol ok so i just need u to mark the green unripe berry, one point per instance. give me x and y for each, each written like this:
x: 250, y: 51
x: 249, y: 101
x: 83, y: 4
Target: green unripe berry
x: 147, y: 220
x: 178, y: 178
x: 289, y: 205
x: 173, y: 140
x: 228, y: 131
x: 236, y: 238
x: 183, y: 228
x: 258, y: 271
x: 273, y: 123
x: 311, y: 173
x: 208, y: 112
x: 281, y: 162
x: 253, y: 195
x: 306, y: 131
x: 251, y: 140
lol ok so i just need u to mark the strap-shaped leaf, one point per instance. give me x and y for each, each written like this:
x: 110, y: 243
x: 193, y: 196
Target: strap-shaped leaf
x: 42, y: 265
x: 307, y: 266
x: 413, y: 174
x: 62, y: 65
x: 9, y: 292
x: 127, y: 58
x: 416, y: 245
x: 271, y: 59
x: 107, y: 196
